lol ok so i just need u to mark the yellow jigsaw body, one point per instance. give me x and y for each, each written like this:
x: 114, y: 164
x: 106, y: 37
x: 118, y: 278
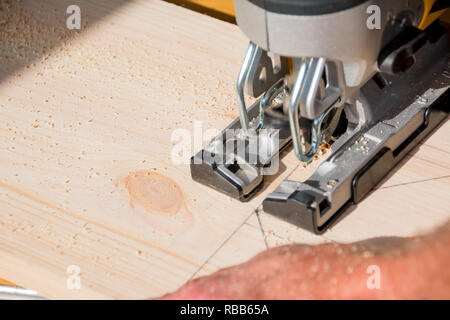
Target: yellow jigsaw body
x: 429, y: 16
x: 224, y: 6
x: 227, y: 7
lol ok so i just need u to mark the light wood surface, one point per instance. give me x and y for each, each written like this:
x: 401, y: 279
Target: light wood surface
x: 86, y: 177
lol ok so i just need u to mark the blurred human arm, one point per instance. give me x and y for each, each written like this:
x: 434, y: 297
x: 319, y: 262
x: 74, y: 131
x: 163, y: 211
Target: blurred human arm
x: 380, y: 268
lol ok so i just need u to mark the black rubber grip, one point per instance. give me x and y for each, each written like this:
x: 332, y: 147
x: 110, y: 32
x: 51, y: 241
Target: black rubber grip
x: 306, y: 7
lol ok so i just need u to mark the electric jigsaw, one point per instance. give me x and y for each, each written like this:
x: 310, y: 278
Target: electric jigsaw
x: 370, y: 78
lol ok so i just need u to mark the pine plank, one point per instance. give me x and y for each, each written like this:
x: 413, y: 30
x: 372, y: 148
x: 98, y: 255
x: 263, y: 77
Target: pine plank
x: 86, y: 176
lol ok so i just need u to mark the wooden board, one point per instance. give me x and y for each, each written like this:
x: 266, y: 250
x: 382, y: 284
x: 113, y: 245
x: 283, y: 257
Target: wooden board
x: 86, y: 177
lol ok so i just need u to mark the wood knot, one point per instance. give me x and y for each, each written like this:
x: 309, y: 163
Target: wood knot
x: 155, y: 192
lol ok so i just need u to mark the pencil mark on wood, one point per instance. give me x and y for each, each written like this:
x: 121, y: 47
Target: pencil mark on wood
x: 220, y: 247
x: 261, y: 227
x: 417, y: 181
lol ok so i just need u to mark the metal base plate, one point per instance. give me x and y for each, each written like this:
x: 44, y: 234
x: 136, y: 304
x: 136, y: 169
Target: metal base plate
x: 356, y: 168
x: 218, y: 169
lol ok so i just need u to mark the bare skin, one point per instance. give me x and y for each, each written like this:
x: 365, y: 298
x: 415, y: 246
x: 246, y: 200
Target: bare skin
x: 409, y: 268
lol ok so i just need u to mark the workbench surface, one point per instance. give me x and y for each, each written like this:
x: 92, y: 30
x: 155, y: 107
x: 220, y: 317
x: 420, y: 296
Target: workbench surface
x: 88, y: 190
